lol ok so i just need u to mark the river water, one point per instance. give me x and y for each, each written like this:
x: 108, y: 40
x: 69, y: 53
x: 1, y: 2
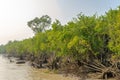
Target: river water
x: 12, y: 71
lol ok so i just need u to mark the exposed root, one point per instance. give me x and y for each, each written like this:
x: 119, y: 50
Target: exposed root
x: 108, y: 74
x: 94, y: 70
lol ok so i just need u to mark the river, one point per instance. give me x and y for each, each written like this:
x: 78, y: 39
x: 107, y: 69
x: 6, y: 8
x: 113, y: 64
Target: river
x: 12, y: 71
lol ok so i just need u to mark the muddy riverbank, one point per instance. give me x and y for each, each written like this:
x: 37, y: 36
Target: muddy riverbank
x: 44, y: 73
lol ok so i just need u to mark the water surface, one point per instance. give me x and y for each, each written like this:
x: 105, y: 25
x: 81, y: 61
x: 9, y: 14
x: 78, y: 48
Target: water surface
x: 13, y: 71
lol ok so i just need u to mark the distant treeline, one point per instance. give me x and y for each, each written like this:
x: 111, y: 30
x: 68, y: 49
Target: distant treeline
x: 79, y: 38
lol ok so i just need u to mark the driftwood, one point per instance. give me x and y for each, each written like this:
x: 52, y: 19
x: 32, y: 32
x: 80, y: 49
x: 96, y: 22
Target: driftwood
x: 20, y: 62
x: 36, y: 65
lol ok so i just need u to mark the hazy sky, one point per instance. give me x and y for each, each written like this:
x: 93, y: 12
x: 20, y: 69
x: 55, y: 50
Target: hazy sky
x: 14, y: 14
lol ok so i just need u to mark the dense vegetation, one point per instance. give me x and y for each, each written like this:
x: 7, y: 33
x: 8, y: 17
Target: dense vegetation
x: 2, y: 49
x: 84, y: 39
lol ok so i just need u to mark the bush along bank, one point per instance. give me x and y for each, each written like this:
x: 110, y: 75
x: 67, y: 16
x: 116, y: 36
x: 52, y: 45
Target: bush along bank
x: 87, y: 46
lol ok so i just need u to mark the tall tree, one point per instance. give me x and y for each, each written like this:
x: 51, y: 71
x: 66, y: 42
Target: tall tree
x: 40, y: 24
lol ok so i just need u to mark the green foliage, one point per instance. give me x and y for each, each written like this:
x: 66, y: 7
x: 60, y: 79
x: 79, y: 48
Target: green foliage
x: 57, y: 26
x: 113, y: 17
x: 78, y: 38
x: 40, y: 24
x: 2, y: 49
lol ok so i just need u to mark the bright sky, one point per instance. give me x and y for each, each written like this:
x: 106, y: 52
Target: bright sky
x: 14, y: 14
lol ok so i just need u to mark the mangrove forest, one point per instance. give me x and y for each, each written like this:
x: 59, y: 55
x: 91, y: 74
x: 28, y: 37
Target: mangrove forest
x: 87, y: 46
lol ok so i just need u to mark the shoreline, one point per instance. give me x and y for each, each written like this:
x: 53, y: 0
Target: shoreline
x: 50, y: 75
x: 53, y: 74
x: 45, y: 73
